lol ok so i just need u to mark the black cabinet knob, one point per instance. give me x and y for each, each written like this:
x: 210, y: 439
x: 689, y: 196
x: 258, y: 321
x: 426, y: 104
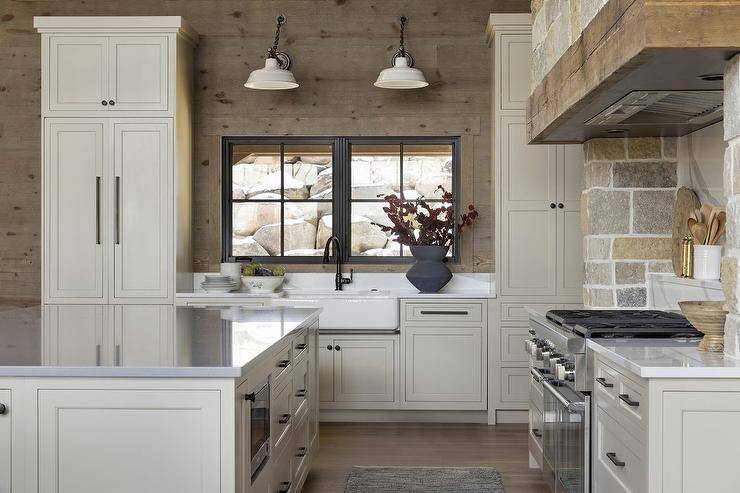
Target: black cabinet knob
x: 329, y: 347
x: 3, y: 409
x: 552, y: 205
x: 283, y: 363
x: 301, y: 393
x: 560, y: 205
x: 111, y: 102
x: 300, y: 347
x: 104, y: 102
x: 337, y: 348
x: 284, y: 418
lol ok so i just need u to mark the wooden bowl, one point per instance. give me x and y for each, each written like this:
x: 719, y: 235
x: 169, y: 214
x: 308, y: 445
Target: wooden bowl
x: 709, y: 318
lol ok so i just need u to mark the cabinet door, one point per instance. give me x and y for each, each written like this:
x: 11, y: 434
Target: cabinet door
x: 700, y: 440
x: 528, y: 212
x: 570, y: 237
x: 78, y: 73
x: 443, y: 364
x: 119, y: 441
x: 143, y: 335
x: 313, y: 384
x: 143, y: 216
x: 74, y: 197
x: 73, y: 335
x: 139, y: 73
x: 326, y: 369
x: 5, y: 461
x: 364, y: 370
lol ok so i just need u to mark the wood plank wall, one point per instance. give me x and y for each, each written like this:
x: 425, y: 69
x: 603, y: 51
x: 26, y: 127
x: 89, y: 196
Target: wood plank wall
x: 338, y: 48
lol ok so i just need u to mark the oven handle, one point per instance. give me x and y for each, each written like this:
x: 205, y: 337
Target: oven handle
x: 571, y: 406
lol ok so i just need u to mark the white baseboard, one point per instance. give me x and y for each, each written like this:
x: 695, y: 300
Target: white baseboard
x: 511, y: 416
x: 401, y: 416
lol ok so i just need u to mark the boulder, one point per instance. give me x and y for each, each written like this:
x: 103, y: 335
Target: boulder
x: 247, y: 247
x: 428, y: 183
x: 322, y: 160
x: 323, y: 183
x: 305, y: 252
x: 294, y: 188
x: 365, y: 235
x: 371, y: 191
x: 299, y: 234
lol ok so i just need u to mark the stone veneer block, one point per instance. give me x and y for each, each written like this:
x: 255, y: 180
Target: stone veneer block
x: 596, y: 248
x: 732, y: 336
x: 731, y: 175
x: 670, y: 148
x: 629, y: 272
x: 641, y: 248
x: 632, y: 297
x: 733, y: 221
x: 732, y: 99
x: 728, y: 274
x: 607, y: 212
x: 598, y: 273
x: 651, y: 174
x: 605, y: 149
x: 597, y: 174
x: 660, y: 266
x: 601, y: 297
x: 644, y: 148
x: 653, y: 211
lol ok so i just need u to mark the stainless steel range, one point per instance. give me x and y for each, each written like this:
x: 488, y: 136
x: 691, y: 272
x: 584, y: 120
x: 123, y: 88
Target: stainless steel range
x: 562, y: 381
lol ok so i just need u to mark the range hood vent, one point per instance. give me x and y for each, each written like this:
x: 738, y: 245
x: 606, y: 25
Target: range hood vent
x: 663, y: 108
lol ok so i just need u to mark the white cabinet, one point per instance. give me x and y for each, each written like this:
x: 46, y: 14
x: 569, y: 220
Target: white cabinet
x: 75, y: 173
x: 143, y: 218
x: 90, y: 441
x: 443, y: 364
x: 112, y: 335
x: 358, y: 369
x: 5, y: 440
x: 107, y: 74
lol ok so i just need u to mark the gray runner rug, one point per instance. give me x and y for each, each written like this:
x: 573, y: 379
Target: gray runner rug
x: 424, y: 480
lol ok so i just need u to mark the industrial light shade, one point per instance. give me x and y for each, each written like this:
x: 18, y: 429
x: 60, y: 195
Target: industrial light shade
x: 272, y: 77
x: 402, y: 74
x: 275, y: 75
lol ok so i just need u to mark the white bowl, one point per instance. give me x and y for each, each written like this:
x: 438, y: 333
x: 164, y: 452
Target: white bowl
x: 262, y: 284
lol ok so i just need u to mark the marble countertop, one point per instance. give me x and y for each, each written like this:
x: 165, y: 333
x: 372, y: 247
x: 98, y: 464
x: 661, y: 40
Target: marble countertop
x: 214, y: 341
x: 665, y: 358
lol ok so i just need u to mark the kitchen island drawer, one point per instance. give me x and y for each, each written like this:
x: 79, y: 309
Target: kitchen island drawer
x: 619, y: 462
x: 281, y: 365
x: 623, y: 398
x: 442, y: 312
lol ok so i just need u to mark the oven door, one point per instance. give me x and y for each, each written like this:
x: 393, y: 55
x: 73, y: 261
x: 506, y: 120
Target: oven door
x: 566, y: 438
x: 259, y: 427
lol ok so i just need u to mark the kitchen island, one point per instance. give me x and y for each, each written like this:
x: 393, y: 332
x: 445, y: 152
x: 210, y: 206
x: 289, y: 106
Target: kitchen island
x: 227, y: 402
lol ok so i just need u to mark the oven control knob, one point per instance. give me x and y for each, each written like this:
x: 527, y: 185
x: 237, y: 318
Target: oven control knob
x: 570, y: 375
x: 554, y: 358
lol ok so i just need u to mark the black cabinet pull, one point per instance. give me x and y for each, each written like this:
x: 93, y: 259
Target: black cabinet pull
x: 104, y: 102
x: 329, y: 347
x: 300, y: 347
x: 283, y: 363
x: 536, y: 432
x: 301, y: 452
x: 337, y: 348
x: 249, y: 397
x: 613, y: 457
x: 284, y: 418
x: 3, y: 409
x: 111, y: 102
x: 301, y: 393
x: 284, y: 487
x: 626, y: 399
x: 604, y: 383
x: 444, y: 312
x: 560, y: 205
x: 552, y: 205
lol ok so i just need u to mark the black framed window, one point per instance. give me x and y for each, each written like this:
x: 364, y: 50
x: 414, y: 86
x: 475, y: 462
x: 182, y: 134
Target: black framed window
x: 283, y: 197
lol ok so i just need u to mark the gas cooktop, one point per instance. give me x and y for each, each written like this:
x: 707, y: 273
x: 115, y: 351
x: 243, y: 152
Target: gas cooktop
x: 623, y: 323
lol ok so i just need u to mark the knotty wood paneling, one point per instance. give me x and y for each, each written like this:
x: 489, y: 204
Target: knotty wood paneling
x: 338, y: 48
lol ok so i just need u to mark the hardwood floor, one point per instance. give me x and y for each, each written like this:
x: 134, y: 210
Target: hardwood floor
x: 344, y: 445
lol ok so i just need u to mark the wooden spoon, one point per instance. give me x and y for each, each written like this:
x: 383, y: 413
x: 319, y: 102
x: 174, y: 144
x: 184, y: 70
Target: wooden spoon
x: 721, y: 220
x: 705, y: 210
x: 713, y: 227
x: 698, y: 231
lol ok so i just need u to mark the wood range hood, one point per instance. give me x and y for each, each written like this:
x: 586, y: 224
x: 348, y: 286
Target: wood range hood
x: 636, y: 71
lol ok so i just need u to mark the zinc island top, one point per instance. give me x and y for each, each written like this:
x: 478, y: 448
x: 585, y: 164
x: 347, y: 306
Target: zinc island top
x: 212, y: 342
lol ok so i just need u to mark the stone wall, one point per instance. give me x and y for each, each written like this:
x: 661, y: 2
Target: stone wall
x: 627, y: 207
x: 555, y: 27
x: 730, y: 272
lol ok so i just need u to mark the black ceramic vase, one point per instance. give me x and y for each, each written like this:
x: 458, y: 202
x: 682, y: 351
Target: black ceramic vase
x: 429, y: 274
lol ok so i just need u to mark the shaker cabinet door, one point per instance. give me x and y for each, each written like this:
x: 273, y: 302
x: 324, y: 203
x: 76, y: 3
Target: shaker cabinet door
x: 326, y: 369
x: 142, y: 212
x: 78, y: 73
x: 364, y: 370
x: 74, y: 207
x: 73, y: 335
x: 5, y: 461
x: 139, y: 73
x: 569, y: 235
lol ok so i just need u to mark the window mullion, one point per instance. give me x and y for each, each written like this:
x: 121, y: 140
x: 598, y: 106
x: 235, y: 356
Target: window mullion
x: 282, y: 199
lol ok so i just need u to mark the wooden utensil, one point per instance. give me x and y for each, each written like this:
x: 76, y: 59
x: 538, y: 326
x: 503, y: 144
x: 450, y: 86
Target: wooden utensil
x: 713, y: 226
x: 706, y: 210
x: 698, y: 231
x: 721, y: 220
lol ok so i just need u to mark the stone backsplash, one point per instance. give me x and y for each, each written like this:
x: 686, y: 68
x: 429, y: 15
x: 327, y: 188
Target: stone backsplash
x: 556, y: 24
x: 627, y: 207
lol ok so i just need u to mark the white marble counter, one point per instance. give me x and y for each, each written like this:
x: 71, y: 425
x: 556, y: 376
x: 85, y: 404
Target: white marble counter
x: 664, y: 358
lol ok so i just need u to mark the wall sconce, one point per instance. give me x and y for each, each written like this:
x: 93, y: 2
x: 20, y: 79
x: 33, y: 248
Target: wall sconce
x: 402, y: 75
x: 275, y: 75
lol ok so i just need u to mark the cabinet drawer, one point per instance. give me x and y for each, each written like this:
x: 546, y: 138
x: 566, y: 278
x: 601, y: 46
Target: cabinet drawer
x: 281, y: 416
x: 300, y: 387
x: 536, y: 420
x: 299, y: 456
x: 300, y: 345
x: 536, y: 397
x: 619, y: 462
x: 443, y: 312
x: 512, y: 344
x: 282, y: 480
x: 281, y: 364
x: 606, y: 381
x: 622, y: 398
x: 516, y: 312
x: 514, y: 385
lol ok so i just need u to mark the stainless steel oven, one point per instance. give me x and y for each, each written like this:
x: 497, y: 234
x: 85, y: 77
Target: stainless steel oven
x: 566, y: 436
x: 259, y: 426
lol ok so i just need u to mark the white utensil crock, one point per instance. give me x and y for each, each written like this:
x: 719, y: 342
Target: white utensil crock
x: 233, y: 270
x: 707, y: 260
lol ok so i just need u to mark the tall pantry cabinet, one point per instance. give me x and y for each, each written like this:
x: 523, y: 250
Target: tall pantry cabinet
x: 116, y: 112
x: 537, y: 215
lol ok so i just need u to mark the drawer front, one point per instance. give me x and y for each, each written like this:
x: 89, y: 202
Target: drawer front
x: 512, y: 344
x: 516, y: 312
x: 299, y: 459
x: 606, y: 381
x: 443, y: 312
x: 536, y: 397
x: 623, y: 399
x: 281, y: 365
x: 300, y: 387
x: 300, y: 345
x: 281, y: 415
x: 534, y: 440
x: 282, y: 479
x: 514, y: 385
x: 619, y: 466
x: 631, y: 401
